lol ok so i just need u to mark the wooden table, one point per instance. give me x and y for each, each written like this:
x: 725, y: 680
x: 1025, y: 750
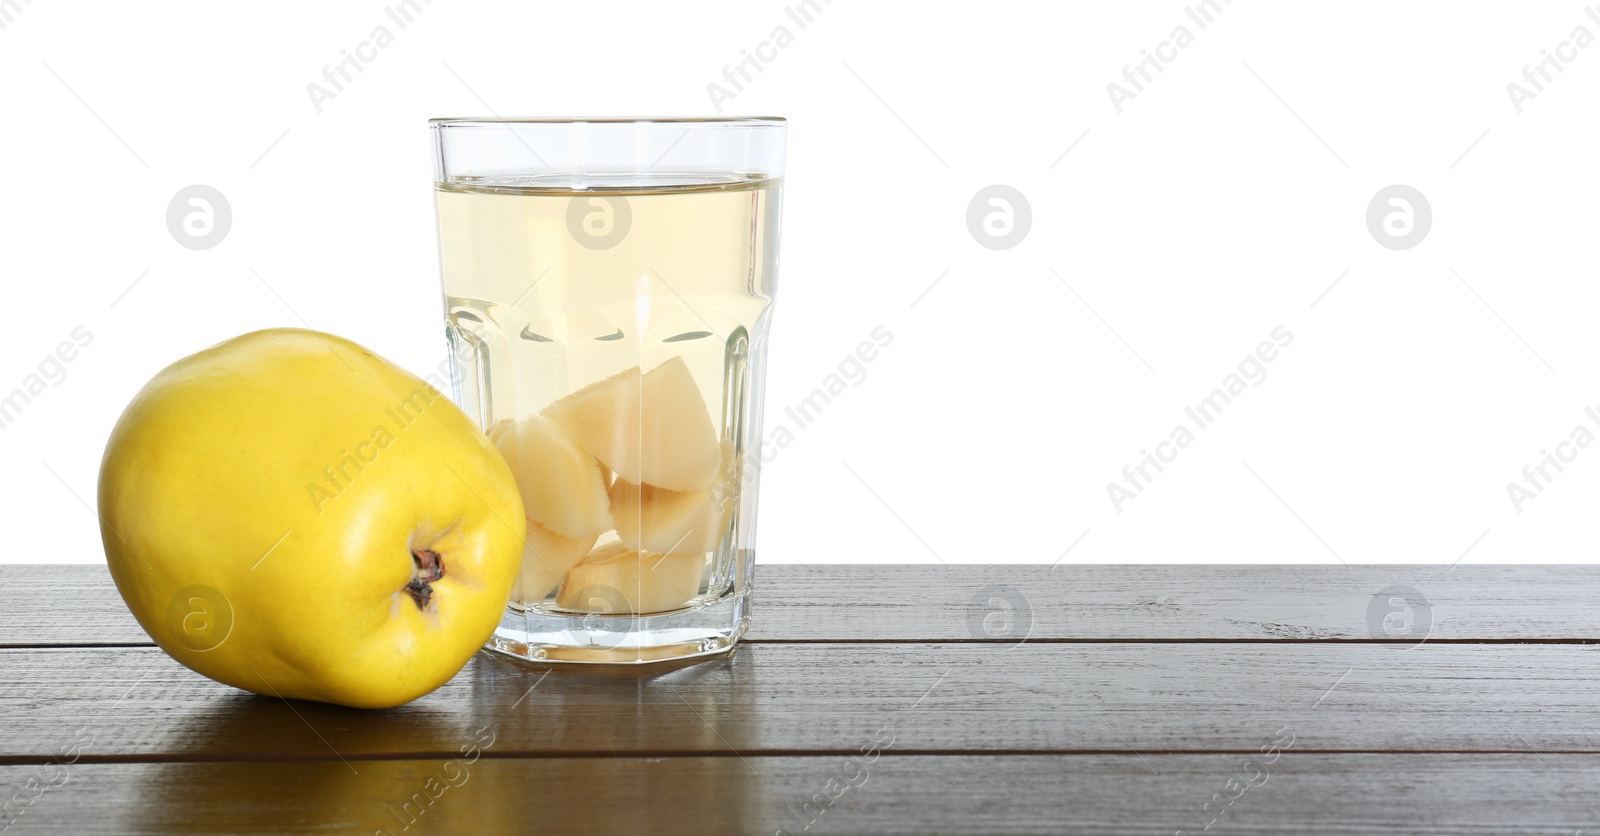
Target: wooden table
x: 874, y: 699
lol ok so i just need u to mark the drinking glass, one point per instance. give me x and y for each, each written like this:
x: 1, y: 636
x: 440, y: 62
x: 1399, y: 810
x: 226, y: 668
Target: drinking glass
x: 608, y: 286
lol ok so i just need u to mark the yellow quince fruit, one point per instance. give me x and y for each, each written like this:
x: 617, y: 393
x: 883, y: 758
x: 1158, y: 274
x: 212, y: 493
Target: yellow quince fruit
x: 291, y: 514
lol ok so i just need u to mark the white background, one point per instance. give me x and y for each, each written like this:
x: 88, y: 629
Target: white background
x: 1193, y: 222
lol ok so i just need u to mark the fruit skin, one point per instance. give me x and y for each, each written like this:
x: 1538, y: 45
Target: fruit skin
x: 669, y: 443
x: 281, y: 481
x: 563, y: 487
x: 545, y: 559
x: 615, y: 579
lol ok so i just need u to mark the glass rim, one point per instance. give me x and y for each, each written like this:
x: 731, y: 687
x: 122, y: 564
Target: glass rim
x: 497, y: 121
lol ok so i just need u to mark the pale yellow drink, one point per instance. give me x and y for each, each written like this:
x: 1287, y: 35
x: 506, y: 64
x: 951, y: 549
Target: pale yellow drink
x: 555, y: 282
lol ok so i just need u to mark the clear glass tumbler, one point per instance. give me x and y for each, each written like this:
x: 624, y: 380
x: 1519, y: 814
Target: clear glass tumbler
x: 608, y: 286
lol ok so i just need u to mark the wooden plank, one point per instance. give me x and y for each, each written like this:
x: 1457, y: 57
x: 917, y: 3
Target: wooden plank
x: 807, y: 698
x: 1178, y: 603
x: 1097, y: 794
x: 77, y: 605
x: 63, y: 605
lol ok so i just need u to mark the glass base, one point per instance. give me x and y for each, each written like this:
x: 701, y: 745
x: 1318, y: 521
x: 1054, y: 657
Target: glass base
x: 537, y: 635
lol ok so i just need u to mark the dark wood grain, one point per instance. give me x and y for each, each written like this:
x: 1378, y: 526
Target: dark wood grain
x: 63, y: 605
x: 77, y: 605
x: 798, y: 698
x: 1169, y: 603
x: 1138, y: 694
x: 1352, y: 794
